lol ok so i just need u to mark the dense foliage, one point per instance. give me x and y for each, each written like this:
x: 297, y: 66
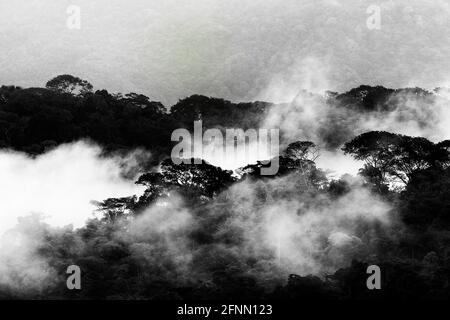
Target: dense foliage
x: 413, y: 251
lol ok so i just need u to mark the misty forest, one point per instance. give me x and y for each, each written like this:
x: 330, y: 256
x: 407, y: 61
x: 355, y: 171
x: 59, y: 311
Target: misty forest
x: 364, y: 179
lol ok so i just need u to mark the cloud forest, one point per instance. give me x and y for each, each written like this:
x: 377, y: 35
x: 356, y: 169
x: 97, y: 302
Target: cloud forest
x: 87, y: 179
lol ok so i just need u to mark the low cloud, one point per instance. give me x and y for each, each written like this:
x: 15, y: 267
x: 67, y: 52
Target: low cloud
x: 61, y: 183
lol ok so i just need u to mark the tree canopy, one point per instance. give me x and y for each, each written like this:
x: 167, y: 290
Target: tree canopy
x: 69, y: 84
x: 206, y: 250
x: 395, y: 158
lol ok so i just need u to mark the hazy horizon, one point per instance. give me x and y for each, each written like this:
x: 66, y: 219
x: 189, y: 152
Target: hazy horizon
x: 238, y: 50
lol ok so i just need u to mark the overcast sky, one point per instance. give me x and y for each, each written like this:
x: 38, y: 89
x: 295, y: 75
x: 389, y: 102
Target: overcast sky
x: 235, y: 49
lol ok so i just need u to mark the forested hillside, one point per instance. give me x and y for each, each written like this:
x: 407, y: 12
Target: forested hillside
x: 201, y: 232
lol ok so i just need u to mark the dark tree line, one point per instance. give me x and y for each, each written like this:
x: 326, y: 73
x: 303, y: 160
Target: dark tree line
x: 36, y: 119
